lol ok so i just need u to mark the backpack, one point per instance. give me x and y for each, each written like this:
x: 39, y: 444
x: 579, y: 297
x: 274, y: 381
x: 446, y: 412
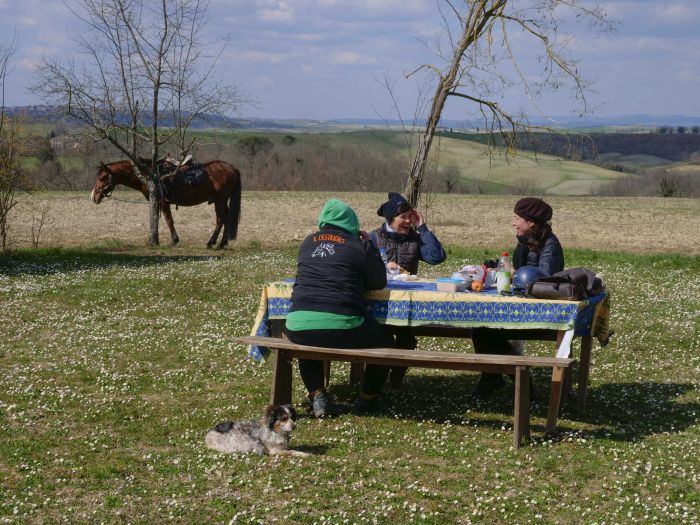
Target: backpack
x: 575, y: 284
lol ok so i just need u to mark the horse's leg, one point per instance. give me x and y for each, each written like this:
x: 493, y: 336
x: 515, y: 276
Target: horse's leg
x: 174, y: 239
x: 220, y: 209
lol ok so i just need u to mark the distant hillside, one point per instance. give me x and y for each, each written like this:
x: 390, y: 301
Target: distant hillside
x: 673, y: 147
x: 54, y: 114
x: 46, y: 113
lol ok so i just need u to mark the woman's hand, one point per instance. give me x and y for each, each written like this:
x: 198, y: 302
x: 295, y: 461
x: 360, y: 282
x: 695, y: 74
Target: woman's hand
x: 417, y: 218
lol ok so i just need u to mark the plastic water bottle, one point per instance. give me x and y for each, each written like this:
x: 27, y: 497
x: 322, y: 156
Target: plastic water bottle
x: 382, y: 252
x: 504, y: 273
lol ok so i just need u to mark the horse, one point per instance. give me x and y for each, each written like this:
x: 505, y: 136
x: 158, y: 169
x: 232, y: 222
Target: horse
x: 222, y: 183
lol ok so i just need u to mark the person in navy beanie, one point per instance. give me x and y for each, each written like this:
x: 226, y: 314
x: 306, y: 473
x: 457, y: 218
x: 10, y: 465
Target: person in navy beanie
x: 406, y: 240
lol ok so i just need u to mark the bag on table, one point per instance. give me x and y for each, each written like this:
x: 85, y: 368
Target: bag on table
x: 575, y: 284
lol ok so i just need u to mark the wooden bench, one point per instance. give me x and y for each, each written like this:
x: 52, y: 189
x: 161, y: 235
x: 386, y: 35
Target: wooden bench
x: 507, y: 364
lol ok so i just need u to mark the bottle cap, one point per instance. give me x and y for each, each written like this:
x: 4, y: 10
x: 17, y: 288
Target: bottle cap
x: 504, y: 253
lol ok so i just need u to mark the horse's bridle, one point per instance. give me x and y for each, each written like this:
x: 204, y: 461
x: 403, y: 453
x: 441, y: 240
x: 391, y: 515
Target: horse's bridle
x: 107, y: 191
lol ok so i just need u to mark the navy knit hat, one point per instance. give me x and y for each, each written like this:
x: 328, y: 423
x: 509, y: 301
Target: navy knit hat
x: 390, y: 208
x: 533, y: 209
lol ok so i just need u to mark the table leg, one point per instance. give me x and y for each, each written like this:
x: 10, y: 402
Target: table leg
x: 281, y: 379
x: 583, y: 369
x: 521, y: 410
x: 326, y: 372
x: 554, y: 399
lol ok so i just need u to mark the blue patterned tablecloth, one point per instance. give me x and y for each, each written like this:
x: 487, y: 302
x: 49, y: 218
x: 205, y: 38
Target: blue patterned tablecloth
x: 417, y: 303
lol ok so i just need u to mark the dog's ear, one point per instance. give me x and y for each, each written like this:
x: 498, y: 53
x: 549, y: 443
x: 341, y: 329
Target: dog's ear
x: 291, y: 411
x: 270, y: 416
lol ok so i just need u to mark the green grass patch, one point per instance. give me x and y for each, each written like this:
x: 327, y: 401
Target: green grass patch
x: 116, y: 360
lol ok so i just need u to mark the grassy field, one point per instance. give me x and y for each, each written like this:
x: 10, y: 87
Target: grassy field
x: 116, y: 359
x: 655, y: 225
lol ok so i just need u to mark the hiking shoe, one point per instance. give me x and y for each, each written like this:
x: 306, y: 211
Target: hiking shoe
x: 487, y: 386
x: 321, y: 405
x: 364, y: 406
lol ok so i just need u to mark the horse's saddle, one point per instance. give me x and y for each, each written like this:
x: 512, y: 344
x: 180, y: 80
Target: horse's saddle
x: 193, y: 175
x: 175, y: 182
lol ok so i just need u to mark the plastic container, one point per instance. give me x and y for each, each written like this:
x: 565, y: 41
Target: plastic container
x: 504, y: 274
x: 446, y: 284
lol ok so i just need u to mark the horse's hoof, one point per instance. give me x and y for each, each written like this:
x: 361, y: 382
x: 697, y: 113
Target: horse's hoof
x: 209, y: 245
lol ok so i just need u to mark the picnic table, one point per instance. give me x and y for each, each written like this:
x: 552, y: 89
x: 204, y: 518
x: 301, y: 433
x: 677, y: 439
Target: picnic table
x: 418, y: 304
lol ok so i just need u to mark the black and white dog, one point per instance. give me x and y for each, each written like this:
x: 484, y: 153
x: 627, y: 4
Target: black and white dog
x: 270, y: 436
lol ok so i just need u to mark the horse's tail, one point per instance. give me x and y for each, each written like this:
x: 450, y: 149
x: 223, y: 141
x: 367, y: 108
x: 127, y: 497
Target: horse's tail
x: 233, y: 215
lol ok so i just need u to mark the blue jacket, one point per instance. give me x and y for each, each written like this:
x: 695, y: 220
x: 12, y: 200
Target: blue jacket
x: 407, y: 250
x: 549, y: 258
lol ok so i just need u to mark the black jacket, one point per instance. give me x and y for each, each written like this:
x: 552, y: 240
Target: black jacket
x: 334, y: 269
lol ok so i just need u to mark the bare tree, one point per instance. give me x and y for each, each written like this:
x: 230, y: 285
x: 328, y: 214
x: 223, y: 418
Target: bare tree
x: 13, y: 148
x: 478, y: 64
x: 145, y: 67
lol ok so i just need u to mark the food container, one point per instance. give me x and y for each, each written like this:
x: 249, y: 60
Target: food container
x: 447, y: 284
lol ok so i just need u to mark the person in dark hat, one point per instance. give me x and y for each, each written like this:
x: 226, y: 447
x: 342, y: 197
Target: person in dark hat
x: 406, y: 240
x: 537, y: 246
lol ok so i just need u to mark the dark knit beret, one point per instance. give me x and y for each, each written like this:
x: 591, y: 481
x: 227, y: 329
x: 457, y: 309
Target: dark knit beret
x: 390, y: 208
x: 533, y: 209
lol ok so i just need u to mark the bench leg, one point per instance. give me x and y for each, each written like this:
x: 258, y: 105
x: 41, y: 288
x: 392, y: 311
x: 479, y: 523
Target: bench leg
x: 583, y: 369
x: 521, y: 411
x: 281, y: 379
x: 554, y: 399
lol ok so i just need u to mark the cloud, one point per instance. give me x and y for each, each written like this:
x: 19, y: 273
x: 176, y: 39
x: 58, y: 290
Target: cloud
x: 688, y: 75
x: 26, y: 21
x: 351, y: 58
x: 377, y: 5
x: 260, y: 56
x: 676, y: 12
x: 27, y: 64
x: 280, y: 14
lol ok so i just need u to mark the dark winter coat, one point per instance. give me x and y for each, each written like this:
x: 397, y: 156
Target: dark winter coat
x: 334, y: 269
x: 549, y: 258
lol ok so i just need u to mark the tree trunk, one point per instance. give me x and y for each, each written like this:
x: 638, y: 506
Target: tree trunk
x: 421, y: 159
x: 154, y: 211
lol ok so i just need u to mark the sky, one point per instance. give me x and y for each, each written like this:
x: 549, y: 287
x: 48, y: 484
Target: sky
x: 329, y: 59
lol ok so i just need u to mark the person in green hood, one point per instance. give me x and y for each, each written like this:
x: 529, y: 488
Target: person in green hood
x: 335, y: 268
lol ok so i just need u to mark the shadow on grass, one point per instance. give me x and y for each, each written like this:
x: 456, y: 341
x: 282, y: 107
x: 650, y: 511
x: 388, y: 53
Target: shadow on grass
x: 619, y: 411
x: 630, y: 411
x: 62, y: 260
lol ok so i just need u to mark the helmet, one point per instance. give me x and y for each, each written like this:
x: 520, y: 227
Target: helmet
x: 525, y: 276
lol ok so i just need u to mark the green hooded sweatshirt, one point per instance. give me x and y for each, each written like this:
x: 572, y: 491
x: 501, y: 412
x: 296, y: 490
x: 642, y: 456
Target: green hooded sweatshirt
x: 334, y: 213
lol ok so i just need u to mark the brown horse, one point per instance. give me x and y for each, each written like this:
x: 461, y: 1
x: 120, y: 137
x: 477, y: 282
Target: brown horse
x: 222, y: 183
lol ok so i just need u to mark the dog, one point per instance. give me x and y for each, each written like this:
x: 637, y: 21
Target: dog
x: 270, y: 436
